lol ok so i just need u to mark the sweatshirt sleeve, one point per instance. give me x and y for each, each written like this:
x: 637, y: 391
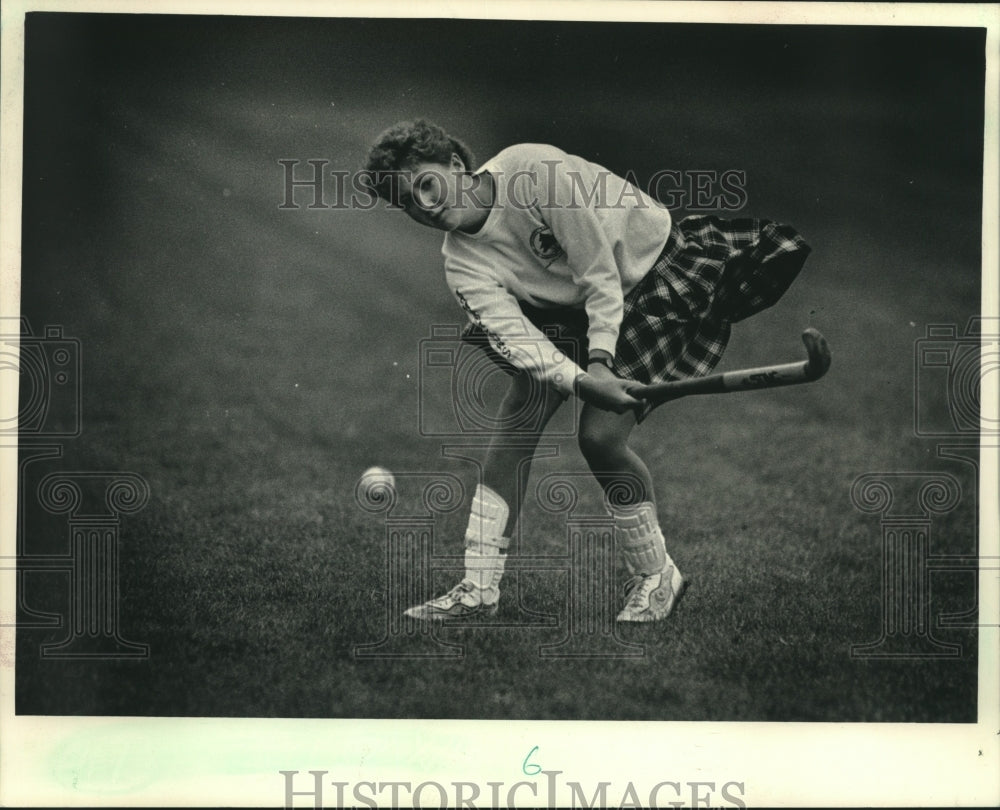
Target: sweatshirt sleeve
x: 490, y: 306
x: 564, y: 206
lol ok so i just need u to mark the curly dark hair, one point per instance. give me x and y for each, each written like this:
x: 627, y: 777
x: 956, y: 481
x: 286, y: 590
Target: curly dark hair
x: 405, y: 144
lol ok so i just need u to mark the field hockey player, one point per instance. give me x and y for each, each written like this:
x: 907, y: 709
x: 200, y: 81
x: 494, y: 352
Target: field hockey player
x: 538, y: 238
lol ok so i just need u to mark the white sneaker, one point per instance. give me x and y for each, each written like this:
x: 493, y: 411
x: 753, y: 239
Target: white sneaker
x: 652, y: 597
x: 465, y: 599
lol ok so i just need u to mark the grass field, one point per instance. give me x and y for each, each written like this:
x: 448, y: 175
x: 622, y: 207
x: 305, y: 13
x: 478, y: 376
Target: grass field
x: 249, y: 362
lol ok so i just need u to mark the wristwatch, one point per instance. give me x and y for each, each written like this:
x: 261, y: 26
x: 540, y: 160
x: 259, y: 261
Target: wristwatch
x: 602, y: 360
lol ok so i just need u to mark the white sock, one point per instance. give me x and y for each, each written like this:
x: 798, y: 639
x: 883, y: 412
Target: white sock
x: 640, y: 539
x: 485, y: 540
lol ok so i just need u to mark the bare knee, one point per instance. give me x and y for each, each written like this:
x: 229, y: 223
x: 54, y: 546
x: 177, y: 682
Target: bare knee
x: 529, y: 403
x: 601, y: 441
x: 522, y: 393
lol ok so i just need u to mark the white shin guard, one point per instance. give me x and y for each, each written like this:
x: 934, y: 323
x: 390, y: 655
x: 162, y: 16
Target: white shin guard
x: 639, y: 538
x: 485, y: 540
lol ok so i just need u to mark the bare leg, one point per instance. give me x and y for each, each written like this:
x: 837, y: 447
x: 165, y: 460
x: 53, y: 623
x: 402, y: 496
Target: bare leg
x: 524, y: 411
x: 657, y: 584
x: 526, y: 408
x: 624, y: 476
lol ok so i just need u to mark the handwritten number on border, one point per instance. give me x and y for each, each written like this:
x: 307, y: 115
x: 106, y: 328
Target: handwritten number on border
x: 530, y: 768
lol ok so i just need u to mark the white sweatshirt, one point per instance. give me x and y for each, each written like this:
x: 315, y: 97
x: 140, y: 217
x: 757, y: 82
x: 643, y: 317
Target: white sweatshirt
x: 562, y: 232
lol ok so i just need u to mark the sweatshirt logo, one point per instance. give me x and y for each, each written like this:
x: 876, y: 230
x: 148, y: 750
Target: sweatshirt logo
x: 544, y: 244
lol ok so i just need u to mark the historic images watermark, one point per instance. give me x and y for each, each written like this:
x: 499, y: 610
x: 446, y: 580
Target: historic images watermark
x: 315, y: 788
x: 91, y: 504
x: 48, y: 368
x: 951, y: 368
x: 695, y: 190
x: 460, y: 385
x: 453, y: 362
x: 587, y: 619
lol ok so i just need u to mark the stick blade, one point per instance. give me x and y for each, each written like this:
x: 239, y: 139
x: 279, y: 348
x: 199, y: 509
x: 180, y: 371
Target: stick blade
x: 819, y: 353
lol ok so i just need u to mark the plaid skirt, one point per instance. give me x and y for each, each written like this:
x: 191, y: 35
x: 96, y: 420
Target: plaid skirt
x: 711, y: 273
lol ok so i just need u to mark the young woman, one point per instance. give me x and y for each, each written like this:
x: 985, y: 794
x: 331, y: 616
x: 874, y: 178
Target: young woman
x: 538, y: 238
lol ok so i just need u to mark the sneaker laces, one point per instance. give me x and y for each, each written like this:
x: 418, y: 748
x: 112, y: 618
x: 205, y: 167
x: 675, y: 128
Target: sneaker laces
x: 463, y: 587
x: 637, y: 589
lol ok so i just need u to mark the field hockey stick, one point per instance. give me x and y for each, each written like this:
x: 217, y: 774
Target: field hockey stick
x: 747, y: 379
